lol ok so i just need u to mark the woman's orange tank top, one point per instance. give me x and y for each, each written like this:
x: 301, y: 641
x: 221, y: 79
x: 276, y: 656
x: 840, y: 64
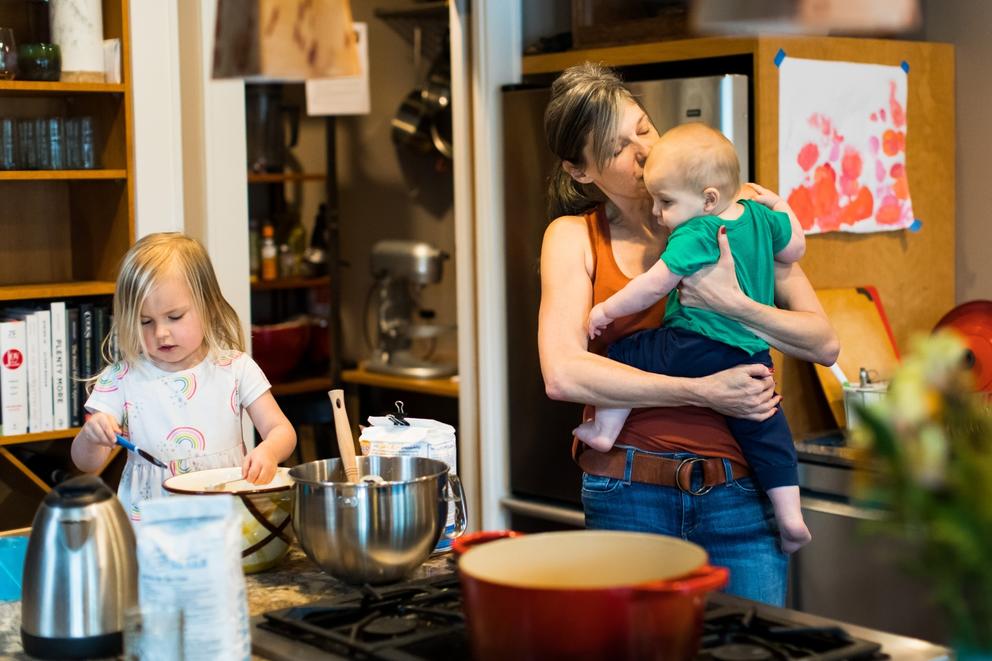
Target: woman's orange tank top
x: 674, y: 429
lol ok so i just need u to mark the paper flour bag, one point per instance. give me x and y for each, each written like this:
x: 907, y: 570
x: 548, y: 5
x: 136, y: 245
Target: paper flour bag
x: 189, y: 559
x: 423, y: 438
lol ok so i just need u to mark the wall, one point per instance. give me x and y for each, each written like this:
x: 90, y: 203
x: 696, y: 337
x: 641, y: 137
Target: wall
x: 966, y: 25
x: 386, y: 192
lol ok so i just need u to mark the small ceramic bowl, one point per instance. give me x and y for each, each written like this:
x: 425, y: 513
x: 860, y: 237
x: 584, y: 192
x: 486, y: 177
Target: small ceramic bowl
x: 266, y: 510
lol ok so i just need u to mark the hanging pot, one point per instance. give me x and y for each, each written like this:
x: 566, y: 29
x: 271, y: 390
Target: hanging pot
x: 584, y: 595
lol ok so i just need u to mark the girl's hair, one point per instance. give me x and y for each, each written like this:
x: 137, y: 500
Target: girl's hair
x: 586, y: 101
x: 143, y: 267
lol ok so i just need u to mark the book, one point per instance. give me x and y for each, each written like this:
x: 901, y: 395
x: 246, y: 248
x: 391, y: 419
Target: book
x: 60, y: 366
x: 86, y: 361
x: 75, y: 405
x: 13, y: 377
x: 45, y: 369
x: 33, y: 364
x: 101, y: 326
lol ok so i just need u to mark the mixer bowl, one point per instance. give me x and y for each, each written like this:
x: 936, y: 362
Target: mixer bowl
x: 363, y: 532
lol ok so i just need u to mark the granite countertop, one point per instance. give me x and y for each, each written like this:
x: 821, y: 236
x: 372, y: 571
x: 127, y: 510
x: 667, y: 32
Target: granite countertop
x: 294, y: 581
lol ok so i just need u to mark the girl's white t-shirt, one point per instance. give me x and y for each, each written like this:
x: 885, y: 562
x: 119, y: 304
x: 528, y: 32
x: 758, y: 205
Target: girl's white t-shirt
x: 190, y: 419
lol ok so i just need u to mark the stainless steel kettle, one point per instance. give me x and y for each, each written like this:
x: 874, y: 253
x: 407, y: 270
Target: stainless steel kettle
x: 80, y: 573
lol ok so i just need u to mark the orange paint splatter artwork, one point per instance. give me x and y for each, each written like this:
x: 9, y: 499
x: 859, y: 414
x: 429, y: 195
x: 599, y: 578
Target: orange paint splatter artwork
x: 843, y: 144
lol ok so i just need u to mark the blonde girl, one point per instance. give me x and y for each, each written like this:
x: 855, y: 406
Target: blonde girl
x: 178, y: 379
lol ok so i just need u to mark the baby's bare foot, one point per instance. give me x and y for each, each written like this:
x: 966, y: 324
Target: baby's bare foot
x: 590, y: 434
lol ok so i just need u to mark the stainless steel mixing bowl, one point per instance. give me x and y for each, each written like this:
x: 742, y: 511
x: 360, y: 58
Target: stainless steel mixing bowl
x: 369, y: 532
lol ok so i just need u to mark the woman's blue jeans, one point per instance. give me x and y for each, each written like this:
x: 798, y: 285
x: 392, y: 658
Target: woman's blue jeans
x: 734, y: 522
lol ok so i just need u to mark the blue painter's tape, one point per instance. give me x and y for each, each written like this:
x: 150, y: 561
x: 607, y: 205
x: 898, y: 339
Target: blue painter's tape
x: 916, y: 225
x: 905, y: 66
x: 779, y: 56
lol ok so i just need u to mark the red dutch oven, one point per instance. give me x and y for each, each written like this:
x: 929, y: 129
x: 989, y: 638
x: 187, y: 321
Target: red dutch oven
x: 584, y: 595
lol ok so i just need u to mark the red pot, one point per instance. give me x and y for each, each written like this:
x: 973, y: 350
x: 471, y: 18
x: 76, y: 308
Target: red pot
x: 584, y: 595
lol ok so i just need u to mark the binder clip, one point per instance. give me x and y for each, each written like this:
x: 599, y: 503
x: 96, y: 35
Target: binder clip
x: 398, y: 418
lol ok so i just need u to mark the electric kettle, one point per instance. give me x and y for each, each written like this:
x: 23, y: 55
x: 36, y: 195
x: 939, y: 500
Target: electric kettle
x: 80, y: 573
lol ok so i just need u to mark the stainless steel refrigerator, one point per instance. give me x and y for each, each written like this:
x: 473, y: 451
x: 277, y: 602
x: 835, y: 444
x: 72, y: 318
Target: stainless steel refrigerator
x: 544, y: 481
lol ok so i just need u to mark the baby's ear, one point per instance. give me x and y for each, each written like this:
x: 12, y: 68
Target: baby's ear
x: 711, y: 199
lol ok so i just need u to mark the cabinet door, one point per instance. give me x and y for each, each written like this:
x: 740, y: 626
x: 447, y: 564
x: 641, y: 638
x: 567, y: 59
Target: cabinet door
x: 856, y: 577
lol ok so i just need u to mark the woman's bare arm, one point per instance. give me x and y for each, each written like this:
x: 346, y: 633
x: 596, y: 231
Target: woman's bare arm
x: 572, y: 373
x: 798, y: 326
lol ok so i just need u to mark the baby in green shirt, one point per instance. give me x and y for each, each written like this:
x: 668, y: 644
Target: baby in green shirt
x: 693, y: 176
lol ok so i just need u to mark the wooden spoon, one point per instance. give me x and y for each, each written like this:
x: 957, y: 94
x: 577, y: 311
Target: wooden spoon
x: 346, y: 442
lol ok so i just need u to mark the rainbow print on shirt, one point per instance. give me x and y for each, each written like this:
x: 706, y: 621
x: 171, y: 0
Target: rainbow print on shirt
x: 184, y: 384
x: 110, y: 376
x: 187, y: 438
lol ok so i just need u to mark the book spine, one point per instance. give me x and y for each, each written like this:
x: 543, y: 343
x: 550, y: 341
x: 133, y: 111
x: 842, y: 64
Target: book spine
x: 60, y: 367
x: 101, y: 324
x: 34, y: 373
x: 45, y: 378
x: 85, y: 348
x: 75, y: 406
x: 13, y: 377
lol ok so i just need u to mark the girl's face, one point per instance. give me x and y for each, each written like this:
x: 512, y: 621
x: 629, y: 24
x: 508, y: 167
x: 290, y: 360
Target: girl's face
x: 623, y: 175
x: 171, y: 327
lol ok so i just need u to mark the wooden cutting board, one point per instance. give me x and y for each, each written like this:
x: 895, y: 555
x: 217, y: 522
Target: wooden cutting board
x: 865, y: 337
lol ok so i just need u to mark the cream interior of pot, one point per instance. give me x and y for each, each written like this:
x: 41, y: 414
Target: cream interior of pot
x: 582, y: 559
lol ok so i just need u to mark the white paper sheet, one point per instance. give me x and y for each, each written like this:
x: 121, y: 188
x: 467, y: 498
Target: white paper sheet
x: 344, y: 95
x: 842, y: 145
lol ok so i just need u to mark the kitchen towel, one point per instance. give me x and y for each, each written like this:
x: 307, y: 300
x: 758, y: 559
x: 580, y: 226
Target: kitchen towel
x: 12, y: 552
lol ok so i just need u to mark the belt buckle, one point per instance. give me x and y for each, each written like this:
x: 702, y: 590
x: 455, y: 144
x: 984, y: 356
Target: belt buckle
x: 690, y: 461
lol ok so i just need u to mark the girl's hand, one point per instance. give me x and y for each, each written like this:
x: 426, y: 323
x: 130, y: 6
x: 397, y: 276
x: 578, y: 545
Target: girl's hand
x: 745, y: 391
x: 714, y: 287
x: 100, y: 429
x: 259, y: 466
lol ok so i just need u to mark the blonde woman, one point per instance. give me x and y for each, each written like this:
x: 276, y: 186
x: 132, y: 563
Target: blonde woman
x: 180, y: 378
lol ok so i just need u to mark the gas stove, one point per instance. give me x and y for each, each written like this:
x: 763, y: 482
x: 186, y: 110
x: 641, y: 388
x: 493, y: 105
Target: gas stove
x: 422, y: 619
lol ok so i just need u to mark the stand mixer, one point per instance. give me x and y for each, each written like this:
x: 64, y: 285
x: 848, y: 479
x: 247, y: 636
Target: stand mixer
x: 401, y: 270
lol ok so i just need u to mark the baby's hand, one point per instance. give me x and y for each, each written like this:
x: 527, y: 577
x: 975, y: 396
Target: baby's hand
x: 100, y: 429
x: 598, y: 320
x: 259, y: 466
x: 763, y: 195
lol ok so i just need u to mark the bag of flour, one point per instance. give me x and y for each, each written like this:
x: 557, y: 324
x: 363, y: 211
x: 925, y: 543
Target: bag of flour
x: 189, y: 559
x: 423, y: 438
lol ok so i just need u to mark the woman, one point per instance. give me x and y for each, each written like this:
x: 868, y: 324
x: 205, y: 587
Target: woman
x: 674, y: 471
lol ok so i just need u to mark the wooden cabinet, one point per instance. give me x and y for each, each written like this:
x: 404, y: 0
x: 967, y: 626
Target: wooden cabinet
x: 63, y: 232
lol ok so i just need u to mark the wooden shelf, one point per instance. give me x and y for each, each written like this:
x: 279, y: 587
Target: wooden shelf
x: 301, y: 387
x: 442, y: 387
x: 53, y: 175
x: 38, y: 86
x: 56, y: 290
x: 290, y: 283
x: 56, y: 435
x: 282, y: 177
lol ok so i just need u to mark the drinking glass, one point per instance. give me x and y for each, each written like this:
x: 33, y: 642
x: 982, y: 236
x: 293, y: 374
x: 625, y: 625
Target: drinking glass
x: 153, y: 633
x: 8, y: 54
x: 87, y: 144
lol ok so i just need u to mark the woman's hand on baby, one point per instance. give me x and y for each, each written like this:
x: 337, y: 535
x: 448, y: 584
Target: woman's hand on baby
x: 598, y: 320
x: 714, y: 287
x: 100, y: 429
x: 259, y: 467
x: 745, y: 391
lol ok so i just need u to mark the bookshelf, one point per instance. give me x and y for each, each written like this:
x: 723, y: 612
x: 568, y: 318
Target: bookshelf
x: 64, y: 232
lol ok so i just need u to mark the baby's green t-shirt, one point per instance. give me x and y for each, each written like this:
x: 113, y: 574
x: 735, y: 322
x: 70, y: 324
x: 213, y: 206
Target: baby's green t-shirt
x: 755, y: 237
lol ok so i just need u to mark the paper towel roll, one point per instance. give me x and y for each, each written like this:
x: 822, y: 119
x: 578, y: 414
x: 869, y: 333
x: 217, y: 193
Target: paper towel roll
x: 77, y: 27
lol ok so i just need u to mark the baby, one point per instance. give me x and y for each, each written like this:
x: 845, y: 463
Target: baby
x: 693, y: 175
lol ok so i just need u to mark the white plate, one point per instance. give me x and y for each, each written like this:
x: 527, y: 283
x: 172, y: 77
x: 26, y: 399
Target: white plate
x: 201, y: 482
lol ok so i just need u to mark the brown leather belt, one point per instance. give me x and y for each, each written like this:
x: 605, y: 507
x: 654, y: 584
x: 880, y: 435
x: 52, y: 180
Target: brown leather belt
x: 664, y: 471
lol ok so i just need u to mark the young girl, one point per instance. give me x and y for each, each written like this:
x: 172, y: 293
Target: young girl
x: 179, y: 380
